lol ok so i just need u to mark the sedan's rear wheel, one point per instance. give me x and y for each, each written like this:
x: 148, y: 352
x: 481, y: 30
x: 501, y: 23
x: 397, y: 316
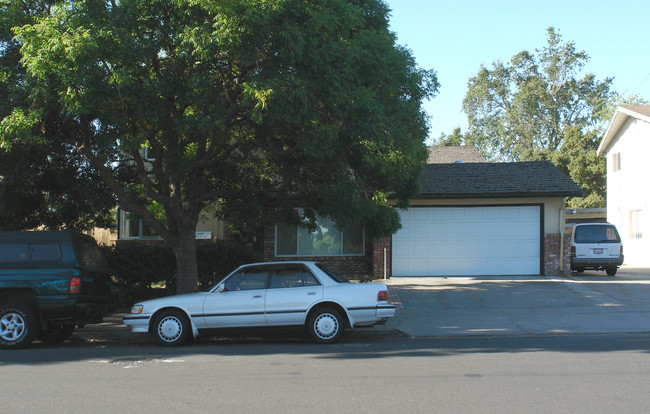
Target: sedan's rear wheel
x: 325, y: 326
x: 171, y: 328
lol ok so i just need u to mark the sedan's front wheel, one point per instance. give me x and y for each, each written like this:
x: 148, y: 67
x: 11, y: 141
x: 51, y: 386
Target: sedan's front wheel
x: 325, y: 326
x: 171, y: 328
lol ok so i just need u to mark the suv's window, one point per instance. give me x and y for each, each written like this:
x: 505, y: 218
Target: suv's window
x: 88, y: 254
x: 596, y: 234
x: 46, y: 252
x: 289, y: 276
x: 25, y: 252
x: 248, y: 279
x: 14, y: 253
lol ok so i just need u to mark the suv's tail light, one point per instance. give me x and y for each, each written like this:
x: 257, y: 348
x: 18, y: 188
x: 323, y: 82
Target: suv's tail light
x: 573, y: 250
x: 382, y: 295
x: 75, y: 285
x: 621, y: 250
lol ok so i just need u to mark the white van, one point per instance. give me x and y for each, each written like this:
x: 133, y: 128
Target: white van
x: 596, y: 246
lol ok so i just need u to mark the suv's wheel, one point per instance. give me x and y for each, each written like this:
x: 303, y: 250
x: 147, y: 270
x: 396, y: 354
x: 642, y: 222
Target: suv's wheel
x: 18, y: 326
x: 325, y: 326
x: 171, y: 328
x: 56, y: 333
x: 611, y: 271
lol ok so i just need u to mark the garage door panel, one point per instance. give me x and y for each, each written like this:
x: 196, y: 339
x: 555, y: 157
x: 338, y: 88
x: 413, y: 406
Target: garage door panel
x: 468, y: 241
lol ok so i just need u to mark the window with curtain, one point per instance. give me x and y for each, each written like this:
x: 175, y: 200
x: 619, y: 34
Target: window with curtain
x: 326, y: 240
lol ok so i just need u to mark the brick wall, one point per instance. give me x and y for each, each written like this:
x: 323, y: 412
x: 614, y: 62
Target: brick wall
x: 378, y: 258
x: 346, y: 265
x: 552, y: 255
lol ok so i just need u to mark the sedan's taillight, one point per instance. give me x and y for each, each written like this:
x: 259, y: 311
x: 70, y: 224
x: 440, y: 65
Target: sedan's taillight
x: 382, y: 295
x: 75, y: 285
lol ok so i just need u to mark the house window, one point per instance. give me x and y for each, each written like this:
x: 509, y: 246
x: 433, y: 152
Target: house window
x: 616, y: 161
x: 635, y: 224
x: 132, y: 227
x: 326, y: 240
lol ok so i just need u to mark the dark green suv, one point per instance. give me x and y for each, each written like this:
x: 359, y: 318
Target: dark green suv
x: 50, y: 282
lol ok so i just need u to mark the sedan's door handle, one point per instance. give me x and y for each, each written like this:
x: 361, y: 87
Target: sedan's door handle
x: 257, y: 296
x: 311, y: 293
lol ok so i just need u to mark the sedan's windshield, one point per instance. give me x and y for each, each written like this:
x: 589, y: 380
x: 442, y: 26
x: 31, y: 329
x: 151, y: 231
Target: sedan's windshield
x: 329, y: 272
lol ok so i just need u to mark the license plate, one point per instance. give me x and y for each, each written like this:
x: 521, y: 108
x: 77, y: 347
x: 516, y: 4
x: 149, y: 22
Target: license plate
x: 598, y: 251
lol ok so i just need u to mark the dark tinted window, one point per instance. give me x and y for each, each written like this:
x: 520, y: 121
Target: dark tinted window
x: 49, y: 252
x: 14, y: 253
x: 290, y: 276
x: 329, y: 272
x: 597, y: 234
x: 24, y: 252
x: 88, y: 254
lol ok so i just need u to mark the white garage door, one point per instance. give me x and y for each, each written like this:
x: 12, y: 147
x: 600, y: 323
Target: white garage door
x: 457, y: 241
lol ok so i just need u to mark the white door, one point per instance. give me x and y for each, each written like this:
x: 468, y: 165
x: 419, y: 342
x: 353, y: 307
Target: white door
x: 458, y: 241
x: 242, y: 301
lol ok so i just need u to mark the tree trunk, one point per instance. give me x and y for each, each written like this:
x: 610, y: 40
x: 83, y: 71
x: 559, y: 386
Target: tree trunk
x: 186, y: 268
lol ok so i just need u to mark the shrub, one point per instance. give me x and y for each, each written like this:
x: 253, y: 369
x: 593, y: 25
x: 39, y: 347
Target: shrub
x: 137, y: 267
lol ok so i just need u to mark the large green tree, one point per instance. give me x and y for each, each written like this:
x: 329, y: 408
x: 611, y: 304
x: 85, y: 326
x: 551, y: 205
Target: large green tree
x: 253, y: 104
x: 538, y: 106
x: 43, y: 183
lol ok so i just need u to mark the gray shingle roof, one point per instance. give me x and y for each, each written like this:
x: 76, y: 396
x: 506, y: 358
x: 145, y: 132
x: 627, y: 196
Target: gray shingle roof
x: 496, y: 180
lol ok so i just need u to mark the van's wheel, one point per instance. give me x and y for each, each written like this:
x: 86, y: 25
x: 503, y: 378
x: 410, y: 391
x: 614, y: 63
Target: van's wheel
x: 18, y: 326
x: 611, y: 271
x: 580, y: 269
x: 171, y: 328
x: 325, y: 326
x: 56, y: 334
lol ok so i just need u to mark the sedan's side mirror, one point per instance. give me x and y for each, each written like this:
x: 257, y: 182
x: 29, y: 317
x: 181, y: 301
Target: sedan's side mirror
x: 221, y: 288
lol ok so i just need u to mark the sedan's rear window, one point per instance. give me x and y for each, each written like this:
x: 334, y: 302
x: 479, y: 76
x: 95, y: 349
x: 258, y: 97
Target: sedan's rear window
x: 597, y: 234
x: 332, y: 274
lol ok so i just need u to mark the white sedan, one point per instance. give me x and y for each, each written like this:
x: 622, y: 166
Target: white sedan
x: 267, y: 295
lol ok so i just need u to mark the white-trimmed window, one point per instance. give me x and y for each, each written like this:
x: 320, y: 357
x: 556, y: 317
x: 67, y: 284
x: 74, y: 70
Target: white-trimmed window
x: 132, y: 227
x: 616, y: 162
x: 635, y: 224
x: 326, y: 240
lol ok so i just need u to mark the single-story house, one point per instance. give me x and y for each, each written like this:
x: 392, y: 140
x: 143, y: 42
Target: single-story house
x: 470, y: 219
x: 626, y: 144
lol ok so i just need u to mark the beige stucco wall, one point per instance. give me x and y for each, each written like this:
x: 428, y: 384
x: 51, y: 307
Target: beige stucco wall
x: 554, y: 208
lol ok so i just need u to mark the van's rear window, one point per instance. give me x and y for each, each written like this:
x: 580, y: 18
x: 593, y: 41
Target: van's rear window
x: 597, y: 234
x: 25, y: 252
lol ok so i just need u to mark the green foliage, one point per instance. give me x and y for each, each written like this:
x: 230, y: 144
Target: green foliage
x: 44, y: 182
x: 526, y: 105
x: 138, y: 267
x: 49, y: 186
x: 536, y: 107
x: 252, y: 104
x: 455, y: 139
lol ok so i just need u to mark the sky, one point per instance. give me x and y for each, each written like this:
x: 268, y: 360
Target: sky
x: 455, y: 38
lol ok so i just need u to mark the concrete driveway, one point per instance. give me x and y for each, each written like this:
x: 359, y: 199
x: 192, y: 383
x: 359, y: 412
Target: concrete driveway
x: 591, y: 302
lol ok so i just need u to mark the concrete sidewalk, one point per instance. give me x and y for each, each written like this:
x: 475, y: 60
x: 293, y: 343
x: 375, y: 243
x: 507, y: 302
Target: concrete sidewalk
x: 521, y: 305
